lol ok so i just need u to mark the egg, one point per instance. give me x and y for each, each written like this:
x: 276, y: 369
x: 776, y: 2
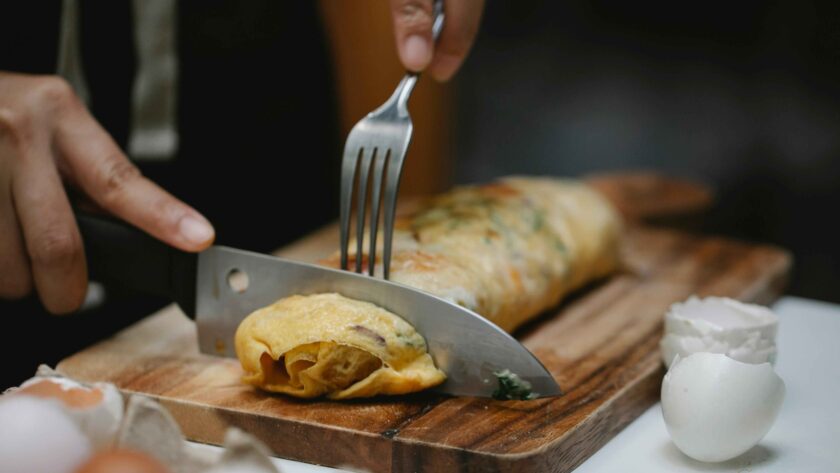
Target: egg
x: 97, y: 408
x: 36, y: 436
x: 744, y: 332
x: 122, y: 461
x: 717, y: 408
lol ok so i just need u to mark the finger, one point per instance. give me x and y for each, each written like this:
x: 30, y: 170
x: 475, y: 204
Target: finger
x: 413, y: 21
x: 459, y: 29
x: 96, y: 164
x: 15, y: 277
x: 49, y: 229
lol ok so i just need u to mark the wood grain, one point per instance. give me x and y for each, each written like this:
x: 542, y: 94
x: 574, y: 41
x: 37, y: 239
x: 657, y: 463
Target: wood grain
x: 601, y: 345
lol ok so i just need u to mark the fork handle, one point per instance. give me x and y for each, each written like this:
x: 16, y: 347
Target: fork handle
x: 437, y: 26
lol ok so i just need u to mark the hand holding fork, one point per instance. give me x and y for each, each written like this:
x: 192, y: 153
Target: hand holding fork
x: 379, y: 141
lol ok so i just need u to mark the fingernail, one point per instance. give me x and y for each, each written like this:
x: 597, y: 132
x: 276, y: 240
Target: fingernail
x: 417, y: 53
x: 195, y: 230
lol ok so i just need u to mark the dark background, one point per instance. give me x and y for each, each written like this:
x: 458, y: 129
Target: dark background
x: 741, y: 96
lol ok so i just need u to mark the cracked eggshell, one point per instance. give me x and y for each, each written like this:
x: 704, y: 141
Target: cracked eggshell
x: 717, y: 408
x: 97, y: 409
x: 744, y: 332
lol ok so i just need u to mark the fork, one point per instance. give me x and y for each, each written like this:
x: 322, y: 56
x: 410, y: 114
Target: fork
x: 378, y: 141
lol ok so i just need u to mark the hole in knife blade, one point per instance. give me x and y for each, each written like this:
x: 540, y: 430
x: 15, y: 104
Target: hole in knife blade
x: 237, y: 280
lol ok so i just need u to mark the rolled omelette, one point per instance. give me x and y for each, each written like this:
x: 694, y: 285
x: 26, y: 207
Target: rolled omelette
x: 507, y: 250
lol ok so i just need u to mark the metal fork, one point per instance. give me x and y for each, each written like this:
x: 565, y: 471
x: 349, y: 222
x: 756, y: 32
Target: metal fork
x: 378, y: 141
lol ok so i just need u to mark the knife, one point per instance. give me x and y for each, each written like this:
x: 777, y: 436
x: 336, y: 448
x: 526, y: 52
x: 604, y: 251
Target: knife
x: 206, y: 286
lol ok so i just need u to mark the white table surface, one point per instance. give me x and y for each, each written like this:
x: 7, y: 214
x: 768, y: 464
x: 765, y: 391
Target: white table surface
x: 804, y: 439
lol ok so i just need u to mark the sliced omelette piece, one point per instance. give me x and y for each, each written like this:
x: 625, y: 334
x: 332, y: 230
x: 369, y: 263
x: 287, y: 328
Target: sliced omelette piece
x: 327, y: 344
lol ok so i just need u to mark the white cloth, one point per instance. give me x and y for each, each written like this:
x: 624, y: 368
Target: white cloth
x: 153, y: 135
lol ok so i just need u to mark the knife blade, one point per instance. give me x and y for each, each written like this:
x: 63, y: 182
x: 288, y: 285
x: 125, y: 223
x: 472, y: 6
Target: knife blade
x: 465, y: 345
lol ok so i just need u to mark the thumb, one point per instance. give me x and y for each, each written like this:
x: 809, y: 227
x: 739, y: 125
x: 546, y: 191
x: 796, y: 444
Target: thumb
x: 413, y: 20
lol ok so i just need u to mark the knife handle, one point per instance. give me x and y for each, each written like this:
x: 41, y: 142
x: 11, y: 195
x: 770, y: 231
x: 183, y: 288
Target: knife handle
x: 123, y: 256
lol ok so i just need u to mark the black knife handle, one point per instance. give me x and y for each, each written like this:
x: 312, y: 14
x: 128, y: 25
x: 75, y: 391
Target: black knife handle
x: 124, y: 256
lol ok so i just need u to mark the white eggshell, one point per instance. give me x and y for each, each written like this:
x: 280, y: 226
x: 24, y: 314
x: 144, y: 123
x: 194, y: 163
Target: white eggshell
x: 98, y: 421
x: 37, y: 436
x: 745, y: 332
x: 243, y: 454
x: 717, y: 408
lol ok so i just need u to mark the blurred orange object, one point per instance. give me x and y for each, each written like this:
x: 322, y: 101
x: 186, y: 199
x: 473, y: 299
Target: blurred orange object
x: 122, y: 461
x: 361, y: 39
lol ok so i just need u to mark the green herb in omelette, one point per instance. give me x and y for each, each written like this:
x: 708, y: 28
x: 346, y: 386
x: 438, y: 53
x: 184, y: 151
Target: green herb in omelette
x: 511, y: 386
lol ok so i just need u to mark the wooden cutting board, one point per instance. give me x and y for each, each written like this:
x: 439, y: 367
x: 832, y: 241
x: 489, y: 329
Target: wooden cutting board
x: 601, y: 345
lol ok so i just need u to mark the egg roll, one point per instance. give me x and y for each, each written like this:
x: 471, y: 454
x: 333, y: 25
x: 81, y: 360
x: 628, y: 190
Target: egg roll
x: 507, y: 250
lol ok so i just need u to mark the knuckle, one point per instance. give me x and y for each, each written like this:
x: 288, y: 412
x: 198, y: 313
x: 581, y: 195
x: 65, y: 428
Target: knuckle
x: 53, y: 93
x: 115, y: 176
x: 414, y: 15
x: 56, y: 248
x: 15, y: 126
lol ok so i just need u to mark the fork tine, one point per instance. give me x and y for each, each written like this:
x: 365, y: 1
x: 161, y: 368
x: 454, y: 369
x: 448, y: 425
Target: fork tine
x: 392, y: 185
x: 376, y: 190
x: 361, y: 201
x: 348, y: 177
